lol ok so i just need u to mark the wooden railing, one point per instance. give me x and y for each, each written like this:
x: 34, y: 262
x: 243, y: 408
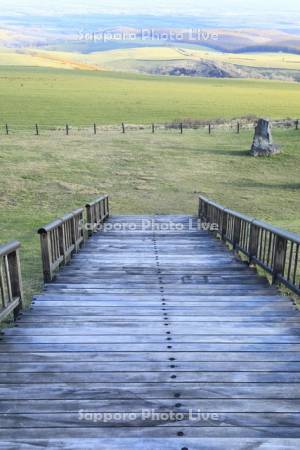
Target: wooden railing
x: 273, y: 249
x: 59, y: 240
x: 11, y: 293
x: 64, y: 237
x: 96, y: 213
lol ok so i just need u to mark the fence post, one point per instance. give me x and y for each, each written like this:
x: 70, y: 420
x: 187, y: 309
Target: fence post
x: 6, y: 129
x: 67, y: 129
x: 181, y: 128
x: 209, y: 128
x: 297, y: 124
x: 238, y: 128
x: 36, y: 129
x: 153, y: 128
x: 123, y: 128
x: 280, y: 246
x: 95, y: 128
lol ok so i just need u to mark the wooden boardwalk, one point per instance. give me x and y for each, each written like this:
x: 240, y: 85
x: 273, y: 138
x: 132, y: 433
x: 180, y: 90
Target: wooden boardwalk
x: 166, y: 325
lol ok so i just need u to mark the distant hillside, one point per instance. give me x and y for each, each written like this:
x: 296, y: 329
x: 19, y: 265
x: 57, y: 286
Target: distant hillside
x: 214, y: 69
x: 169, y: 61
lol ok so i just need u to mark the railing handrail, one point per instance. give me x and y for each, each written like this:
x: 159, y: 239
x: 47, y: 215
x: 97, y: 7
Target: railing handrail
x: 280, y: 231
x: 11, y: 287
x: 77, y: 211
x: 97, y: 200
x: 272, y: 248
x: 9, y: 247
x: 50, y: 226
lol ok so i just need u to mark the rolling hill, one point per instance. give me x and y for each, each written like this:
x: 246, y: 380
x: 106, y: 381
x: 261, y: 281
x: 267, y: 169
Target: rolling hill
x: 175, y: 61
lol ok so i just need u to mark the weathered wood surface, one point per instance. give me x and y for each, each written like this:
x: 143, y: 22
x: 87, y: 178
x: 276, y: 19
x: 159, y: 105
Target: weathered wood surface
x: 162, y: 321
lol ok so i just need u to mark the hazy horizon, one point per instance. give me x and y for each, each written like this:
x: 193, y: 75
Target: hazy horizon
x: 64, y: 7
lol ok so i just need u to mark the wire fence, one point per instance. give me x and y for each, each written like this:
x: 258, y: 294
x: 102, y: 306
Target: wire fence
x: 176, y: 127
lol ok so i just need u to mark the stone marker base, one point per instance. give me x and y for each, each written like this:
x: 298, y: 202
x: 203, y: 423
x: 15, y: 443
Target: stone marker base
x: 263, y: 142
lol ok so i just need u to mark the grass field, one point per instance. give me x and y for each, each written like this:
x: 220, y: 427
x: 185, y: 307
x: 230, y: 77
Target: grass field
x: 54, y: 97
x: 46, y: 176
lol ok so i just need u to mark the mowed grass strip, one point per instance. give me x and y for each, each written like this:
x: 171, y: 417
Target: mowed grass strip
x: 55, y: 97
x: 43, y: 177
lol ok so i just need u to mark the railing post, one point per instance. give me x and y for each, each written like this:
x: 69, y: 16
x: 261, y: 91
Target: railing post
x: 89, y: 219
x: 16, y: 279
x: 280, y: 246
x: 253, y: 241
x: 73, y: 231
x: 205, y: 211
x: 102, y: 211
x: 236, y: 231
x: 78, y: 228
x: 11, y: 288
x: 223, y: 230
x: 107, y: 206
x: 62, y: 242
x: 46, y: 256
x: 200, y: 208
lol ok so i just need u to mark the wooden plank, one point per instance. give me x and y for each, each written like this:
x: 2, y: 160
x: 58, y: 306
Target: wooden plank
x: 155, y: 366
x: 157, y: 377
x: 137, y: 329
x: 147, y: 391
x: 140, y: 307
x: 65, y: 311
x: 83, y: 338
x: 199, y: 443
x: 141, y: 298
x: 94, y: 336
x: 154, y: 432
x: 286, y: 407
x: 131, y: 356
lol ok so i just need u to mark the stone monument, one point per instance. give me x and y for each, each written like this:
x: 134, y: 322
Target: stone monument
x: 263, y: 141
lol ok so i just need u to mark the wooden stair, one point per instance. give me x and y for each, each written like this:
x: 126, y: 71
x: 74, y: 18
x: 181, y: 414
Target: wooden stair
x: 153, y: 320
